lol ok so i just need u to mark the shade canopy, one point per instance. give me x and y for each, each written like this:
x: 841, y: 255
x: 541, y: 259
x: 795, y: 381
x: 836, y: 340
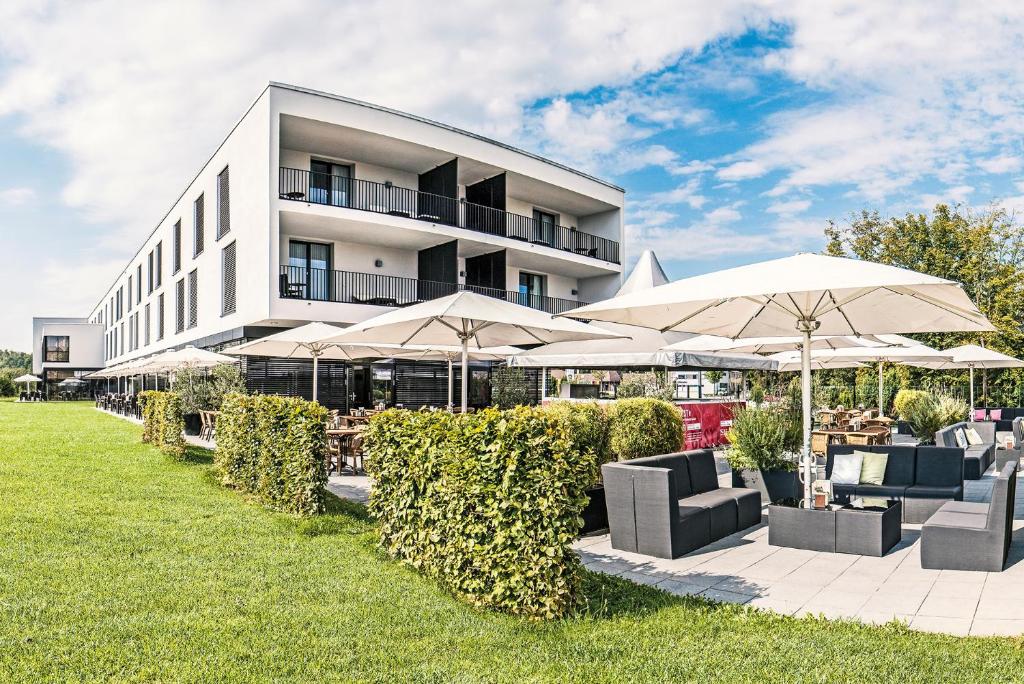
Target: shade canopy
x: 68, y: 382
x: 789, y: 362
x: 306, y: 342
x: 969, y: 356
x: 806, y: 294
x: 187, y: 357
x: 27, y: 378
x: 468, y: 319
x: 771, y: 345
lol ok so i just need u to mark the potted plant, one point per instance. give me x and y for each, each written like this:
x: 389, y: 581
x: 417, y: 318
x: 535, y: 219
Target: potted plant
x: 201, y: 390
x: 929, y: 413
x: 762, y: 453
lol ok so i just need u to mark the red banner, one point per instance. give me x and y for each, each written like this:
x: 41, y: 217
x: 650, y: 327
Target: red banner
x: 707, y: 422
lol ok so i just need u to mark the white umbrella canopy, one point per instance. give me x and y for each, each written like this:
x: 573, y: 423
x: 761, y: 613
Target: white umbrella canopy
x: 970, y: 356
x: 468, y: 319
x: 790, y: 361
x: 810, y: 294
x: 27, y: 378
x: 186, y: 357
x: 771, y: 345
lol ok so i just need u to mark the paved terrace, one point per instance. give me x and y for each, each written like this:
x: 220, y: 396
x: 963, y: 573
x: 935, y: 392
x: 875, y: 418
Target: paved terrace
x: 744, y: 569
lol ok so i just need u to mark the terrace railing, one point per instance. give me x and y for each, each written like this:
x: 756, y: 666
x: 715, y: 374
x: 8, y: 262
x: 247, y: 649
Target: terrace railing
x: 384, y: 198
x: 350, y: 287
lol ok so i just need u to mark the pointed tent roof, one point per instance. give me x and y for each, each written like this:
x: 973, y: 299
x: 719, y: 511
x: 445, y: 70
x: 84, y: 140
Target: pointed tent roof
x: 646, y: 274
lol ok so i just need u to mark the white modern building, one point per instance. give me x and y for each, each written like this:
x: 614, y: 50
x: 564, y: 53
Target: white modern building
x: 316, y: 207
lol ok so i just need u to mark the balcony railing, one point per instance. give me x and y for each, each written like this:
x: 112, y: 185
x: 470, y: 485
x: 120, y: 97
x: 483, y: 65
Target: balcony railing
x: 349, y: 287
x: 383, y: 198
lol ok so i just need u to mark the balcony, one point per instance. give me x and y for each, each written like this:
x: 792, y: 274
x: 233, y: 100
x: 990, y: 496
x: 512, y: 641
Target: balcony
x: 383, y: 198
x: 349, y: 287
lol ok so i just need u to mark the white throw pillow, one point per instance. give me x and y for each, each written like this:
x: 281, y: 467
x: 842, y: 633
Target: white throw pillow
x: 846, y: 468
x: 960, y: 437
x: 973, y: 438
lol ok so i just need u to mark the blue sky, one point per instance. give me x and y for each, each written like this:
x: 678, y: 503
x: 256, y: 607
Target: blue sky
x: 737, y: 128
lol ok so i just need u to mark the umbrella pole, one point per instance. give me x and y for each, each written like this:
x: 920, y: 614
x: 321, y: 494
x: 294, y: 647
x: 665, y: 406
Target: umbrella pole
x: 543, y: 383
x: 451, y: 388
x: 465, y: 374
x: 315, y: 355
x: 881, y: 392
x: 809, y: 462
x: 971, y: 370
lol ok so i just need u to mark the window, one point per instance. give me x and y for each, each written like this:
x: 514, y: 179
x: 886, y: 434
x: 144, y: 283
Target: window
x: 130, y: 288
x: 193, y: 299
x: 229, y: 291
x: 57, y: 348
x: 309, y: 268
x: 121, y: 338
x: 532, y: 288
x: 179, y: 306
x: 160, y: 317
x: 329, y: 183
x: 544, y: 225
x: 149, y: 274
x: 120, y: 302
x: 176, y: 248
x: 159, y: 277
x: 199, y: 217
x: 138, y: 284
x: 146, y: 329
x: 223, y: 204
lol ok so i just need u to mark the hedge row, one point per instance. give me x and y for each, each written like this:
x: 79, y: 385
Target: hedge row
x: 645, y: 427
x: 485, y: 503
x: 163, y: 423
x: 274, y: 448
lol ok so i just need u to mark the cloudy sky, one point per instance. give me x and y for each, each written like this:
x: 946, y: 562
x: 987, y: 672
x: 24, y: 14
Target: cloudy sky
x: 737, y: 128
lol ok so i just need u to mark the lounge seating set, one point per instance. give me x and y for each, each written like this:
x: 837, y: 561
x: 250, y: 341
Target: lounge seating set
x: 34, y: 395
x: 978, y: 456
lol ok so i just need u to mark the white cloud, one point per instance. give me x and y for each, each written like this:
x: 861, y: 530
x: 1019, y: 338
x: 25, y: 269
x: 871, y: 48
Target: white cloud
x: 709, y: 241
x: 1004, y: 163
x: 954, y: 195
x: 13, y: 197
x: 743, y: 170
x: 789, y: 208
x: 722, y: 215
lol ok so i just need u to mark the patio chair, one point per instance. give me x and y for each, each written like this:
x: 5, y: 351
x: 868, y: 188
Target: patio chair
x: 819, y: 442
x: 972, y: 536
x: 355, y: 452
x: 335, y: 460
x: 860, y: 439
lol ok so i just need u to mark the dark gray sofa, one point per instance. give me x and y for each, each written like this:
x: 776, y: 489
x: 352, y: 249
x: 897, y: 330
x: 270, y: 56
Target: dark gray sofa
x: 1017, y: 426
x: 922, y: 477
x: 977, y: 458
x: 669, y: 505
x: 972, y: 536
x: 1005, y: 422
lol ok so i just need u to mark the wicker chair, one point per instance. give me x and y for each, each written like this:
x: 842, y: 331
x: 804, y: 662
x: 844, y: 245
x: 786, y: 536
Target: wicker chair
x: 819, y: 442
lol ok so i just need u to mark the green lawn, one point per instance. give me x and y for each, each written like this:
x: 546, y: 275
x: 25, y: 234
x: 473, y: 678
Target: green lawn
x: 118, y: 563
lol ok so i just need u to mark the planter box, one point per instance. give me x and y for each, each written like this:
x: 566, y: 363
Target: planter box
x: 774, y: 485
x: 595, y: 514
x: 192, y: 423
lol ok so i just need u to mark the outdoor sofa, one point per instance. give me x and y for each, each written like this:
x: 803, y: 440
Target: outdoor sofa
x: 977, y: 457
x: 923, y: 478
x: 1001, y: 417
x: 671, y: 504
x: 972, y: 536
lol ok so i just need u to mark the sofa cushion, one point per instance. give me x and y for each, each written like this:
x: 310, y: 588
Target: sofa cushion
x: 960, y: 435
x: 995, y: 414
x: 899, y: 468
x: 721, y: 507
x: 872, y: 468
x: 939, y: 466
x: 973, y: 438
x: 846, y: 468
x: 986, y: 430
x: 944, y: 518
x: 979, y: 414
x: 966, y: 507
x: 885, y: 491
x: 676, y: 462
x: 703, y: 473
x: 930, y: 492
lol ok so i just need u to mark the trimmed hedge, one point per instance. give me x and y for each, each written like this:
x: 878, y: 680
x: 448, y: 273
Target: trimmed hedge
x: 588, y: 425
x: 486, y: 503
x: 645, y: 427
x: 274, y: 448
x: 163, y: 424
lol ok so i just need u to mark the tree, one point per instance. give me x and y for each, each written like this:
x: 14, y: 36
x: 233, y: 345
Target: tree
x: 981, y: 250
x: 714, y: 376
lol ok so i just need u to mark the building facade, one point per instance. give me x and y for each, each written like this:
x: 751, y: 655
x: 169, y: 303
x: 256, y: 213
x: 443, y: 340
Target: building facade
x: 320, y: 208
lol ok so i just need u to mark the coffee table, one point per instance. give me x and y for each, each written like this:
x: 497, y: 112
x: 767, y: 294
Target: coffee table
x: 864, y: 526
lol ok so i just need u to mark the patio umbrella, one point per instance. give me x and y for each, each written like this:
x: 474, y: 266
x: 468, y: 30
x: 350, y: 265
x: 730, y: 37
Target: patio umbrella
x: 791, y: 362
x: 970, y: 356
x: 771, y: 345
x: 917, y: 352
x: 812, y: 293
x: 186, y: 357
x: 449, y: 354
x: 466, y: 318
x: 27, y: 379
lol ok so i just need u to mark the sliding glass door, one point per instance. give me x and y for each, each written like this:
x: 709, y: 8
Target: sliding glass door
x: 309, y: 265
x: 330, y: 183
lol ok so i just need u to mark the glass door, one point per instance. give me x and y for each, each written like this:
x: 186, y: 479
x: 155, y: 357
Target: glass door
x: 544, y: 227
x: 330, y: 183
x: 309, y: 269
x: 531, y: 289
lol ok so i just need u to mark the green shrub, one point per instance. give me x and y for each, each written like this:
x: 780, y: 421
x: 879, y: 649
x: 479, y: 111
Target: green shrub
x: 588, y: 425
x: 488, y: 504
x: 951, y: 409
x: 202, y: 390
x: 757, y: 393
x: 904, y: 398
x: 163, y: 423
x: 509, y: 388
x: 644, y: 427
x: 650, y: 384
x: 274, y: 448
x: 761, y: 438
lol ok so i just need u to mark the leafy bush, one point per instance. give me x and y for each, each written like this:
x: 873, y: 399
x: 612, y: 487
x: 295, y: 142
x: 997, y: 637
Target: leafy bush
x: 904, y: 398
x: 951, y: 409
x: 588, y: 425
x: 645, y: 427
x: 757, y: 393
x: 761, y: 438
x: 488, y: 504
x: 650, y: 384
x: 274, y: 448
x: 163, y: 423
x: 202, y: 390
x: 509, y: 388
x: 927, y: 414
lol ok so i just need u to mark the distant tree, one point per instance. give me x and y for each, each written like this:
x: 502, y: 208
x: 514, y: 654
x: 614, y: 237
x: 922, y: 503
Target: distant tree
x: 714, y: 377
x: 15, y: 359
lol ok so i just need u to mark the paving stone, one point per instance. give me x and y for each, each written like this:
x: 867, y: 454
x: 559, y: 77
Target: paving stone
x: 726, y: 596
x: 944, y: 625
x: 986, y: 627
x: 947, y: 607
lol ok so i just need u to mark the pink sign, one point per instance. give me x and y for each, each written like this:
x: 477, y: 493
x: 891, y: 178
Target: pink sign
x: 707, y: 422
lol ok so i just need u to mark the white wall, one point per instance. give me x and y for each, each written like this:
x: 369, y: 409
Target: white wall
x: 350, y: 256
x: 525, y: 208
x: 85, y: 345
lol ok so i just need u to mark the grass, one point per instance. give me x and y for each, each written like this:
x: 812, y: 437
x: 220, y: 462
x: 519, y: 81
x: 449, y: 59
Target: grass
x: 117, y: 563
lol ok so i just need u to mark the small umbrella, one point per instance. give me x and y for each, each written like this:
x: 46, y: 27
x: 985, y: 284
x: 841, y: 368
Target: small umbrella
x: 790, y: 362
x: 27, y: 379
x: 464, y: 318
x: 970, y: 356
x: 811, y: 293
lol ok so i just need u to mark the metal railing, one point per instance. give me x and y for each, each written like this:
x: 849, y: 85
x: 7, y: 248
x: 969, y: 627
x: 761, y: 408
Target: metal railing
x: 350, y: 287
x: 384, y: 198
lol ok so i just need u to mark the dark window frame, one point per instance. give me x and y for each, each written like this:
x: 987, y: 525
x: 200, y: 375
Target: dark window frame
x: 57, y: 355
